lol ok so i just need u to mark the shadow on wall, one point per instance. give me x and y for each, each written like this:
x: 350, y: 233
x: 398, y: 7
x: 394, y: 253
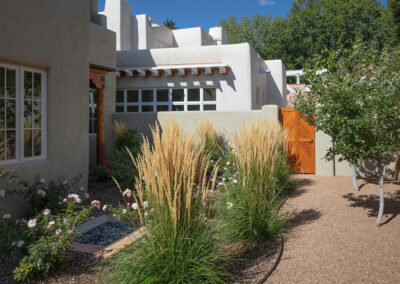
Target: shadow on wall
x: 142, y: 122
x: 369, y: 169
x: 274, y: 95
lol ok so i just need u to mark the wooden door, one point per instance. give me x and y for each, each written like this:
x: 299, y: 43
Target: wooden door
x: 301, y: 141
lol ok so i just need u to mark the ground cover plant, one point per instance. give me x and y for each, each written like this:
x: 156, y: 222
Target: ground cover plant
x: 172, y: 187
x: 357, y: 103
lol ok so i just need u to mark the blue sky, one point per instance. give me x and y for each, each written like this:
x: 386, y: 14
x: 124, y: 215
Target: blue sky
x: 206, y: 13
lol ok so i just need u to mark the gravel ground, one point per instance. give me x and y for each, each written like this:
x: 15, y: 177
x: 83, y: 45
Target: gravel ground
x: 334, y: 238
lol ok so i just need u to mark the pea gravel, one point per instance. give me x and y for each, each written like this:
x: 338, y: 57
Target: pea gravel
x: 334, y: 238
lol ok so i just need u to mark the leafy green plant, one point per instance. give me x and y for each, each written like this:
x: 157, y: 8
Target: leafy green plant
x: 43, y: 241
x: 8, y: 234
x: 129, y: 139
x: 43, y: 194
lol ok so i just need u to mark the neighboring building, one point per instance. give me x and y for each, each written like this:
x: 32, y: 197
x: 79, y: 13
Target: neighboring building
x: 52, y: 53
x: 188, y: 69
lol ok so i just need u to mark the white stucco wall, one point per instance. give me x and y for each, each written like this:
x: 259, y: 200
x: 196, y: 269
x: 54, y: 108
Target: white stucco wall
x: 220, y: 34
x: 277, y: 84
x: 236, y: 90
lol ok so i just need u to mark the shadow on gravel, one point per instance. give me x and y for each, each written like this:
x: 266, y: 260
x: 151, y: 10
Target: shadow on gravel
x: 303, y: 217
x: 376, y: 182
x: 371, y: 203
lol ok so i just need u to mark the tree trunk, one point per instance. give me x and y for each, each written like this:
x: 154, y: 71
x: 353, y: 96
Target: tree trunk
x: 381, y: 195
x: 354, y: 176
x: 397, y: 168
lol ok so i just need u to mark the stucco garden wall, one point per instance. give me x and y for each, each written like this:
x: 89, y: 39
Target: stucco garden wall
x: 226, y: 121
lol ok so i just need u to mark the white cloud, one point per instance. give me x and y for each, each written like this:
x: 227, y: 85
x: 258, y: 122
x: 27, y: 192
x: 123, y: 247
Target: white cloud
x: 266, y: 2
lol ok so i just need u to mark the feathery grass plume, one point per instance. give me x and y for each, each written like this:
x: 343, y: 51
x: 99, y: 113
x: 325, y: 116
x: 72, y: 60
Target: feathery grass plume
x: 119, y: 128
x: 260, y: 150
x: 180, y: 245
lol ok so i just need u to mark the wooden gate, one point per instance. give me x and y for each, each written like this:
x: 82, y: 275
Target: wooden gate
x: 301, y: 141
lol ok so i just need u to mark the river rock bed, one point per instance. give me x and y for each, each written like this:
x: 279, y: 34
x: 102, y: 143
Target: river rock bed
x: 106, y: 234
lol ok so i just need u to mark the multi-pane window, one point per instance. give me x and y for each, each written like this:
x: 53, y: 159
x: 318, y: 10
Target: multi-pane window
x: 92, y: 112
x: 22, y: 93
x: 154, y: 100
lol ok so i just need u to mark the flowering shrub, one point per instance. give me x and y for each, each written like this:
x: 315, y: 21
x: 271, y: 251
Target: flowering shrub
x: 42, y: 242
x: 43, y: 194
x: 8, y: 233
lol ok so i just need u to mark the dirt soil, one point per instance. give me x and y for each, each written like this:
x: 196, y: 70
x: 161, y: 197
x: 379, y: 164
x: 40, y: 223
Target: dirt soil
x: 334, y: 238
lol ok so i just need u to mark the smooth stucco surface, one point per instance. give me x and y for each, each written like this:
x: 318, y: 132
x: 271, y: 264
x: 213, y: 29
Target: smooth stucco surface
x: 54, y: 36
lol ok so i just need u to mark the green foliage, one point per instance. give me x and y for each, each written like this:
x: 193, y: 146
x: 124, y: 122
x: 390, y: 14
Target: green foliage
x: 46, y: 239
x: 8, y: 234
x: 131, y: 140
x: 118, y: 164
x: 356, y: 102
x: 170, y: 24
x: 313, y: 25
x: 191, y: 257
x: 43, y: 194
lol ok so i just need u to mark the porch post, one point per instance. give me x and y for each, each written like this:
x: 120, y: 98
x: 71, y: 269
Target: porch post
x: 100, y: 125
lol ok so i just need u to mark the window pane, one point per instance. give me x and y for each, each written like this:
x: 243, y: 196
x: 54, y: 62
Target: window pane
x: 194, y: 95
x: 37, y: 140
x: 119, y: 109
x: 193, y: 108
x: 10, y: 115
x: 27, y: 143
x: 11, y: 82
x: 162, y: 108
x: 178, y: 95
x: 133, y: 96
x: 37, y: 78
x: 147, y: 96
x: 210, y: 95
x: 94, y: 125
x: 2, y: 113
x: 147, y: 108
x: 11, y: 145
x: 210, y: 107
x: 2, y: 74
x: 37, y: 114
x: 120, y: 96
x: 90, y: 126
x: 178, y: 108
x: 2, y: 145
x: 133, y: 109
x: 28, y: 84
x: 28, y: 114
x: 162, y: 95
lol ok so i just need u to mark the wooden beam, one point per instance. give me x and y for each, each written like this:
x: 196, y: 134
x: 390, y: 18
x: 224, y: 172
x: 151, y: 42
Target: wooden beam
x: 100, y: 126
x: 97, y: 78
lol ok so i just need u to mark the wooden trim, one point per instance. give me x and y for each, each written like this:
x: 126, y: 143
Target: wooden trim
x: 100, y: 126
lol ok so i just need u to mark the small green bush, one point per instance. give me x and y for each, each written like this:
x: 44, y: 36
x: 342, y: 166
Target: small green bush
x: 43, y: 194
x: 131, y: 140
x: 8, y: 234
x: 43, y: 241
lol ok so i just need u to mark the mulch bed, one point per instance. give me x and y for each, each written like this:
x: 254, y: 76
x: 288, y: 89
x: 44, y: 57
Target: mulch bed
x: 253, y: 266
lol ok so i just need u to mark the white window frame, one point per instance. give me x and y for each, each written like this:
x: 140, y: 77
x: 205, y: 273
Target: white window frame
x: 170, y: 103
x: 19, y: 96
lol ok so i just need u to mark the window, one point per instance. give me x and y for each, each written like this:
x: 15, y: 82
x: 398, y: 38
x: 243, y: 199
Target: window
x: 154, y: 100
x: 92, y: 112
x: 22, y: 113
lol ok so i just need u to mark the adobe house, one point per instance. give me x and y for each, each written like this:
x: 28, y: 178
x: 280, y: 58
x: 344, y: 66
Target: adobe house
x: 52, y: 54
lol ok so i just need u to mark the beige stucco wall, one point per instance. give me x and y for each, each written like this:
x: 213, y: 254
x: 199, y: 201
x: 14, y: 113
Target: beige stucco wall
x: 227, y: 121
x: 54, y: 36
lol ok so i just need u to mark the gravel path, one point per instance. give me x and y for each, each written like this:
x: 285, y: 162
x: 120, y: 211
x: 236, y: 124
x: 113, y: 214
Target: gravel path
x: 334, y: 238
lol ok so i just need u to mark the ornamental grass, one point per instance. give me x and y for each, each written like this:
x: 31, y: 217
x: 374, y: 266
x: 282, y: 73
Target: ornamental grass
x: 260, y: 151
x: 180, y: 244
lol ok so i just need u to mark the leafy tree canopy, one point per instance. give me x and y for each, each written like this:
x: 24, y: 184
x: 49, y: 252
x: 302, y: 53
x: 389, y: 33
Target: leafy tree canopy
x: 313, y: 25
x: 170, y: 24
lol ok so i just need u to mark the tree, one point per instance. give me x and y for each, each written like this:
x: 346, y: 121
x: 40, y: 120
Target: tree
x: 311, y: 26
x: 357, y: 103
x: 170, y: 24
x: 394, y: 8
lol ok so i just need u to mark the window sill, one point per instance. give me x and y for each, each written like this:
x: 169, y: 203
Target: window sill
x: 29, y: 163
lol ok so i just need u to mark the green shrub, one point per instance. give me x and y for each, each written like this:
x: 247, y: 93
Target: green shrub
x: 8, y: 234
x: 131, y: 140
x: 43, y: 241
x: 43, y: 194
x: 118, y: 164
